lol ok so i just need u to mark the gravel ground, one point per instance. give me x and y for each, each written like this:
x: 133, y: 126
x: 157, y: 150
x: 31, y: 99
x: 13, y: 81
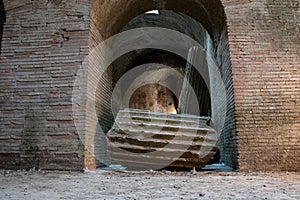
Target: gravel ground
x: 102, y: 184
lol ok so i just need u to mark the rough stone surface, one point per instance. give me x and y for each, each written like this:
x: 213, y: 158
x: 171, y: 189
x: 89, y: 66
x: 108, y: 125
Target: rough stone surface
x: 44, y: 43
x: 144, y: 140
x: 154, y: 97
x: 148, y: 185
x: 264, y: 43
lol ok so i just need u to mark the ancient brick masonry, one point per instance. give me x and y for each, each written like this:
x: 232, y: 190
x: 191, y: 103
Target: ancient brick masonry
x: 44, y: 43
x: 264, y: 43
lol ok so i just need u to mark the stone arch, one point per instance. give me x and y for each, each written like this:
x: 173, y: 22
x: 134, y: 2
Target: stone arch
x: 109, y: 17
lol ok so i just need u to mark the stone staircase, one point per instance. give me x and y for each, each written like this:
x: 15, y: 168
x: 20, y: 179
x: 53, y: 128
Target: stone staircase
x: 144, y: 140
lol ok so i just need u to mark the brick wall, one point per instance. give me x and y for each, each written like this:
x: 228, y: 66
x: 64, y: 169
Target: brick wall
x: 44, y: 43
x: 264, y: 43
x: 227, y: 140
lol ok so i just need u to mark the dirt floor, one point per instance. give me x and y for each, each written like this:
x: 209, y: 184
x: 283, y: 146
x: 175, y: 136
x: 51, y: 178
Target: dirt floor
x: 102, y: 184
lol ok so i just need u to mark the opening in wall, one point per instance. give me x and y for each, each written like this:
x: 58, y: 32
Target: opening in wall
x: 184, y: 17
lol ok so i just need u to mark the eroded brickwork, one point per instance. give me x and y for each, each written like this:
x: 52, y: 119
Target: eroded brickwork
x: 45, y: 43
x: 264, y: 42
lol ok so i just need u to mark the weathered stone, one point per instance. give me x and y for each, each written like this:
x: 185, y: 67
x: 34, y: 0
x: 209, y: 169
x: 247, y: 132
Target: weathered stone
x: 255, y: 46
x: 144, y: 140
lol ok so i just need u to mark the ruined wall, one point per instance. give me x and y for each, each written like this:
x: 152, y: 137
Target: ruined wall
x: 264, y: 42
x: 228, y: 139
x: 262, y: 123
x: 44, y: 43
x: 154, y: 97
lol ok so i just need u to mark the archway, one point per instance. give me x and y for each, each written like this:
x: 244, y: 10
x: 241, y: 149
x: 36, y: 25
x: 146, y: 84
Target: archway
x: 109, y: 18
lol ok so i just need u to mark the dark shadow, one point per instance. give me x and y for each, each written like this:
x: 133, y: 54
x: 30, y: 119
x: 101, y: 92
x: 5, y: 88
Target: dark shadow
x: 2, y: 21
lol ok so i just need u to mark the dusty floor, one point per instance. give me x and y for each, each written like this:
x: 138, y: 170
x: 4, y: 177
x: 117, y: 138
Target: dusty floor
x: 148, y: 185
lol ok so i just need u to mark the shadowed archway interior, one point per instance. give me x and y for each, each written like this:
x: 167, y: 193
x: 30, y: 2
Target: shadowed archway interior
x: 182, y: 16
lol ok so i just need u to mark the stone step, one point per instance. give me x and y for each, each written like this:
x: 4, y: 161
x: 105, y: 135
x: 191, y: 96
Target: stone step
x: 149, y: 140
x: 157, y: 128
x: 162, y: 121
x: 150, y: 145
x: 172, y: 118
x: 135, y: 161
x: 162, y: 136
x: 168, y: 150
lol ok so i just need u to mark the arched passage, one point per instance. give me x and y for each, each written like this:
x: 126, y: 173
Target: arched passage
x: 109, y: 18
x: 175, y: 21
